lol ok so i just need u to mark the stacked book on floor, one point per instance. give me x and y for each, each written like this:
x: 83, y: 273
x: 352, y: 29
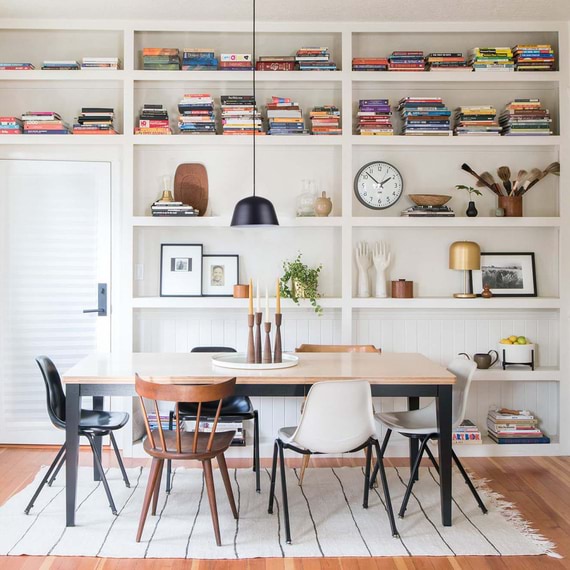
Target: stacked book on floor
x: 100, y: 63
x: 276, y: 63
x: 492, y: 59
x: 406, y: 61
x: 240, y: 115
x: 44, y: 123
x: 514, y: 426
x: 224, y: 424
x: 95, y: 121
x: 284, y: 117
x: 195, y: 59
x: 374, y: 117
x: 449, y: 61
x: 466, y: 433
x: 525, y: 117
x: 425, y: 116
x: 370, y: 64
x: 65, y: 65
x: 477, y: 120
x: 236, y: 62
x: 10, y: 126
x: 153, y: 420
x: 172, y: 209
x: 325, y: 120
x: 197, y: 114
x: 534, y: 57
x: 15, y: 66
x: 161, y: 59
x: 314, y: 59
x: 428, y: 212
x: 153, y: 120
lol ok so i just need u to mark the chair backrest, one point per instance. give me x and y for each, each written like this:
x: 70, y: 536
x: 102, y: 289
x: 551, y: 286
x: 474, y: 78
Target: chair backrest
x: 194, y: 393
x: 337, y: 348
x: 464, y: 370
x: 337, y: 417
x: 54, y: 391
x: 213, y: 349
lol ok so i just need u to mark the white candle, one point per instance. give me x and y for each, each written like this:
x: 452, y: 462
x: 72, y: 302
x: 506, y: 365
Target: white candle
x: 258, y: 302
x: 267, y: 306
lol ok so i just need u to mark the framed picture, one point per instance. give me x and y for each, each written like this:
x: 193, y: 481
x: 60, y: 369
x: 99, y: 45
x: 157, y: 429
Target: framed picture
x: 219, y: 275
x: 180, y: 270
x: 507, y: 274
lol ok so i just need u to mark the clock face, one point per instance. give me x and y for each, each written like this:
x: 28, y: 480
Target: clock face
x: 378, y: 185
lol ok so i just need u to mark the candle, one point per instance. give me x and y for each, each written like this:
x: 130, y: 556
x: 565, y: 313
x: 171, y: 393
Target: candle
x: 258, y: 303
x: 278, y: 299
x: 250, y: 308
x: 267, y: 306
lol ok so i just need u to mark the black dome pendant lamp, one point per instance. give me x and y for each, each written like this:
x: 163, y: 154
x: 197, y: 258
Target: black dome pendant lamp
x: 254, y: 211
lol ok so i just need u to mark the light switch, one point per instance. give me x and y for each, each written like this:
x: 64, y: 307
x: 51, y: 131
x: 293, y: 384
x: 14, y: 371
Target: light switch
x: 139, y: 272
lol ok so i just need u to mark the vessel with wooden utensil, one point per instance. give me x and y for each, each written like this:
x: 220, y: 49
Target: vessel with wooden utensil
x: 191, y: 186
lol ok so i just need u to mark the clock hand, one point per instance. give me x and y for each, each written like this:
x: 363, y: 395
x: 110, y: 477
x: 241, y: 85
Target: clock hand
x: 384, y: 181
x: 373, y: 178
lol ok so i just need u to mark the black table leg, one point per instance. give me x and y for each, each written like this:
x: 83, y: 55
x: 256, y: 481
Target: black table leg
x: 414, y: 404
x: 444, y: 422
x: 98, y: 441
x: 72, y: 411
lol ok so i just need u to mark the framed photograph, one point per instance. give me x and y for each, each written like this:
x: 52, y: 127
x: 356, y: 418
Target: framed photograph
x: 219, y: 275
x: 180, y: 270
x: 507, y: 274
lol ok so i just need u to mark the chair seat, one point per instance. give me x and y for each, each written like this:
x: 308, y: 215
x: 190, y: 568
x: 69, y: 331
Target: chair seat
x: 414, y: 422
x: 100, y: 421
x: 232, y: 406
x: 222, y: 441
x: 286, y: 433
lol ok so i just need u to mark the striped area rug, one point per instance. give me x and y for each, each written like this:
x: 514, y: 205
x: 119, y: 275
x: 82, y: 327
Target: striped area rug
x: 327, y: 519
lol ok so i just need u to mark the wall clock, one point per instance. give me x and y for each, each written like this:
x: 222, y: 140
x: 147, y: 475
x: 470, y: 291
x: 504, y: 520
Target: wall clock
x: 378, y: 185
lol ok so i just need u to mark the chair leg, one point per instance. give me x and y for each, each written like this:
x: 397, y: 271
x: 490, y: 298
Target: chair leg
x: 99, y: 465
x: 227, y: 483
x: 284, y: 492
x: 168, y: 461
x: 413, y: 475
x: 432, y: 459
x: 385, y: 488
x: 380, y: 452
x: 156, y: 491
x: 304, y: 465
x: 119, y: 460
x: 57, y: 470
x: 53, y: 466
x: 209, y: 476
x: 273, y: 477
x: 367, y: 475
x: 148, y: 495
x: 256, y: 451
x: 469, y: 483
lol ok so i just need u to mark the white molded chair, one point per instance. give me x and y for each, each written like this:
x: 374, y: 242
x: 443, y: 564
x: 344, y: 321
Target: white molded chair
x: 337, y: 417
x: 422, y: 424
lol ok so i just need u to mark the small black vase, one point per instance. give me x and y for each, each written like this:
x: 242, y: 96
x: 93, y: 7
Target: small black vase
x: 471, y: 210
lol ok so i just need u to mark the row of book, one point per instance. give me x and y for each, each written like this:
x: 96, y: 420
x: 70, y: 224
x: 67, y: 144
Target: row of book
x: 467, y: 433
x: 172, y: 209
x: 65, y: 64
x: 428, y: 212
x: 225, y: 424
x: 514, y: 427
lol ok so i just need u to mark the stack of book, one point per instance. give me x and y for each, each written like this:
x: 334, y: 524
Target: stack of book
x: 95, y: 121
x: 406, y: 61
x: 425, y: 116
x: 240, y: 115
x: 514, y: 426
x: 369, y: 64
x: 153, y: 120
x: 525, y: 117
x: 44, y: 123
x: 197, y: 114
x: 534, y: 57
x: 66, y: 65
x: 477, y: 120
x: 374, y: 117
x: 226, y: 423
x: 428, y: 212
x: 100, y: 63
x: 236, y: 62
x: 314, y: 59
x: 325, y: 120
x: 492, y: 59
x: 166, y: 209
x: 194, y: 59
x: 153, y: 420
x: 284, y: 117
x: 451, y: 61
x: 466, y: 433
x: 161, y: 59
x: 10, y: 126
x: 15, y: 66
x: 276, y: 63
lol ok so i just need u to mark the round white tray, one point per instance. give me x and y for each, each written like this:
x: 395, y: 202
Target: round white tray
x: 238, y: 360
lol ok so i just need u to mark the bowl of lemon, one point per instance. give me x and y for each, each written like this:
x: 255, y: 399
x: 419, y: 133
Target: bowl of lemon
x: 516, y: 349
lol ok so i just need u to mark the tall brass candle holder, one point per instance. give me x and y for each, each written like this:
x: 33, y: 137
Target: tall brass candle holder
x: 267, y: 347
x: 278, y: 351
x: 250, y: 344
x: 258, y: 338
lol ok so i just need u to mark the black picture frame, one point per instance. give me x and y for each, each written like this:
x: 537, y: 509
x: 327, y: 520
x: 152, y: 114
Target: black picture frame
x: 226, y: 289
x: 526, y: 273
x: 188, y: 261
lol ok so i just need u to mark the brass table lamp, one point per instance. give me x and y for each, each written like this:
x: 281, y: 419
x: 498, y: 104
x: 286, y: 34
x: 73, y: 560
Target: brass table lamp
x: 465, y: 256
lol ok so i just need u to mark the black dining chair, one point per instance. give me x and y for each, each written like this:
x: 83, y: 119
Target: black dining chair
x: 234, y: 406
x: 92, y: 424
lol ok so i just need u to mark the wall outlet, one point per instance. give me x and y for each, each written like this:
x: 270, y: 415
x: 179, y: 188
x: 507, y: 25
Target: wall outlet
x: 139, y: 272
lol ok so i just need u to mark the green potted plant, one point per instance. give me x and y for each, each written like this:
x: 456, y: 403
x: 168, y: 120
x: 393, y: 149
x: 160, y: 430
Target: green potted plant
x: 299, y: 281
x: 471, y: 211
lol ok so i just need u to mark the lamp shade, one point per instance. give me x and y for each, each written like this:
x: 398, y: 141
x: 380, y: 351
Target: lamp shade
x: 465, y: 255
x: 254, y: 211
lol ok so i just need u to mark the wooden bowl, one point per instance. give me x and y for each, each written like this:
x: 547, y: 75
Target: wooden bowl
x: 429, y: 199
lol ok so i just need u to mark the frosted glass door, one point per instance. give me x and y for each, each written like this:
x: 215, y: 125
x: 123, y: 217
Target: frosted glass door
x: 54, y: 251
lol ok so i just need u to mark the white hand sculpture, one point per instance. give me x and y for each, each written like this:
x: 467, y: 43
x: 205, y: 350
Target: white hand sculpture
x: 381, y: 257
x: 364, y: 263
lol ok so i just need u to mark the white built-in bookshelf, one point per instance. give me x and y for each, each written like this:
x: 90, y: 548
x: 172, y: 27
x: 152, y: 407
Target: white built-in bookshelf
x: 433, y: 322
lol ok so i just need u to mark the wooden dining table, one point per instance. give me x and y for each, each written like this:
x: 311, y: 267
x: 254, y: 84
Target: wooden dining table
x: 390, y: 374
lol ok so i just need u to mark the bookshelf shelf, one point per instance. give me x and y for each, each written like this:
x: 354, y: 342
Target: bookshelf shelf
x: 453, y: 303
x: 61, y: 75
x: 468, y: 141
x: 456, y: 222
x: 235, y: 140
x: 239, y: 76
x: 53, y: 140
x: 223, y: 303
x: 518, y: 374
x: 224, y: 222
x: 456, y: 77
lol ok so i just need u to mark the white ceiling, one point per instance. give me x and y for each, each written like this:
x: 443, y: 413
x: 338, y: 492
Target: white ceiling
x: 291, y: 10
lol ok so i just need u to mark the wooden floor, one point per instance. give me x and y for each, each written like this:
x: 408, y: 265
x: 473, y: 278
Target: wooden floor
x: 540, y: 487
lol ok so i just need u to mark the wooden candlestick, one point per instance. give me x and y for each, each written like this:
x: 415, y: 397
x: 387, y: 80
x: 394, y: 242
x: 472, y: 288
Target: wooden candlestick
x: 267, y: 348
x: 250, y: 344
x: 277, y: 351
x: 258, y: 338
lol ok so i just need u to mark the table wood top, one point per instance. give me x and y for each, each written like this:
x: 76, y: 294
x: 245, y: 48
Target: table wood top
x: 384, y: 368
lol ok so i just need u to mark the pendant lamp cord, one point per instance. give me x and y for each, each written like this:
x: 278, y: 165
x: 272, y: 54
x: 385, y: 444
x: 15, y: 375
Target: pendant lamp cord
x: 254, y: 98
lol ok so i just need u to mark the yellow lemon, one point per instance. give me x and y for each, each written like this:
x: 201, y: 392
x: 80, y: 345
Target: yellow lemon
x: 512, y: 338
x: 506, y: 341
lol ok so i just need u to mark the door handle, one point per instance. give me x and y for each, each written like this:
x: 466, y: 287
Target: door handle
x: 92, y: 310
x: 101, y: 310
